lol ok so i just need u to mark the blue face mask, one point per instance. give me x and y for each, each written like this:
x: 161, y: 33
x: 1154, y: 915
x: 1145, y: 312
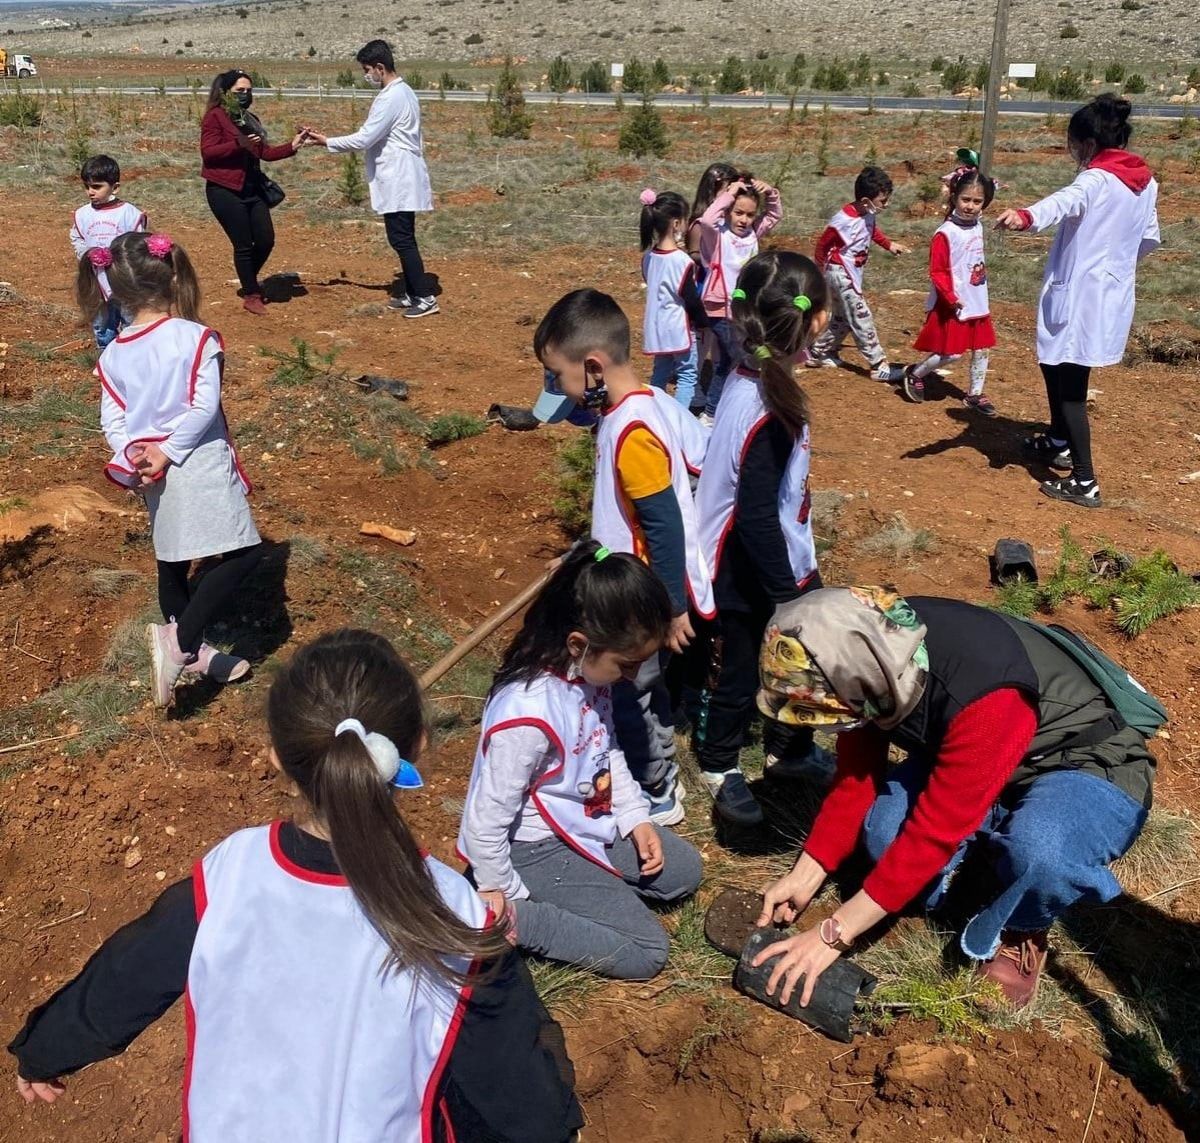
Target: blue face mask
x: 554, y: 406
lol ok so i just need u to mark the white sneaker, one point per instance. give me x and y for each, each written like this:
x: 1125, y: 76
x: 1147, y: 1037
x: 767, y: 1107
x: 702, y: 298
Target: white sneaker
x: 166, y: 661
x: 825, y: 361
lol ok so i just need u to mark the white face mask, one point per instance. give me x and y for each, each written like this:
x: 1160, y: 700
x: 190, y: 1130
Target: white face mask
x: 373, y: 79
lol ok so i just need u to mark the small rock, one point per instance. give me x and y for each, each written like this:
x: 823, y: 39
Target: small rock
x: 133, y: 857
x: 170, y: 831
x: 161, y: 875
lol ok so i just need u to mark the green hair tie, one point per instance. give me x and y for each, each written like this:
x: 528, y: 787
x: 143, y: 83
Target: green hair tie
x: 738, y: 295
x: 802, y: 302
x: 602, y: 554
x: 763, y: 352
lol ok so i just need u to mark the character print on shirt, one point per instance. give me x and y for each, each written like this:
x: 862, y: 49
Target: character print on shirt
x: 978, y: 274
x: 597, y: 794
x: 805, y: 503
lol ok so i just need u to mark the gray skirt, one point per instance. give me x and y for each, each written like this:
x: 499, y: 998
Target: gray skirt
x: 199, y: 508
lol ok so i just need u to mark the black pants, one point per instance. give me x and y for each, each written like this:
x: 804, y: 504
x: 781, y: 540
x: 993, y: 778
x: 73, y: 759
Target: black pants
x: 725, y: 707
x: 401, y: 227
x: 1066, y: 390
x: 246, y: 220
x: 194, y: 605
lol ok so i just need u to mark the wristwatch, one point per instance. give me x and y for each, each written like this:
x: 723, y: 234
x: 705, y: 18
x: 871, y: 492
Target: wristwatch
x: 830, y: 933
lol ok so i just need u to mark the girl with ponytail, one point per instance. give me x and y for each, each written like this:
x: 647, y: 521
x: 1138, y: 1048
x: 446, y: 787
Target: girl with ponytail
x: 556, y: 831
x: 160, y: 409
x: 753, y: 501
x: 339, y: 983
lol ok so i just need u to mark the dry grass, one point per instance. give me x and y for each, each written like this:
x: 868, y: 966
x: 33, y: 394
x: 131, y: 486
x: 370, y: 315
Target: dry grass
x: 898, y: 540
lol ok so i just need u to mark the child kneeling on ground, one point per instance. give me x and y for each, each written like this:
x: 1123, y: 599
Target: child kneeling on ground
x: 339, y: 984
x: 556, y: 832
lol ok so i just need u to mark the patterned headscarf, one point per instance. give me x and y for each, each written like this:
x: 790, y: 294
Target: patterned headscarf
x: 841, y: 654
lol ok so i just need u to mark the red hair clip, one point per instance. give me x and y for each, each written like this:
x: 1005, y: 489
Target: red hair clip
x: 100, y: 257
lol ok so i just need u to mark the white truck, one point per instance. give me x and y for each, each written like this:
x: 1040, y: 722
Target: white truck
x: 17, y: 64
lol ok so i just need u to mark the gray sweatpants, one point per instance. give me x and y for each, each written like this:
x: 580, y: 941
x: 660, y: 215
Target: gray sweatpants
x: 645, y: 727
x: 581, y: 914
x: 848, y: 314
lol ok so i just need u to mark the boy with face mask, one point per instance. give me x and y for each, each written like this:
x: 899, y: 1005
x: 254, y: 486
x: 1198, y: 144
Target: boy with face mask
x: 396, y: 173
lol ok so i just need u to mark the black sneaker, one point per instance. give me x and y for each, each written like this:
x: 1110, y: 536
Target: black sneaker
x: 1085, y: 493
x: 422, y: 307
x: 403, y: 302
x: 734, y: 802
x: 891, y: 374
x: 914, y: 387
x: 1047, y: 451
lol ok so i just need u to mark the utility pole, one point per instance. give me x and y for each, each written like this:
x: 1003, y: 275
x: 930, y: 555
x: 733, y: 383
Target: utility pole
x: 991, y: 108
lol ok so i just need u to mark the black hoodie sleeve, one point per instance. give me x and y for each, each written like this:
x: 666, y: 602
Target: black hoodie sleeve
x: 130, y: 981
x: 509, y: 1079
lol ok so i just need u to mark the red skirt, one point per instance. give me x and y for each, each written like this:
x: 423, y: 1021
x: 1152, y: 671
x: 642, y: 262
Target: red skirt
x: 945, y: 334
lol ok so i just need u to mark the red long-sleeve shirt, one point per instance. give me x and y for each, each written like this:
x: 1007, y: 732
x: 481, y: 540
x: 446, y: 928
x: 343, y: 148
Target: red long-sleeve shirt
x: 983, y: 745
x: 940, y: 273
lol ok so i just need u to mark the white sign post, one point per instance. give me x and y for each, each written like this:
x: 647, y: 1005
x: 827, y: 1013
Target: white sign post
x: 618, y: 71
x: 1022, y: 71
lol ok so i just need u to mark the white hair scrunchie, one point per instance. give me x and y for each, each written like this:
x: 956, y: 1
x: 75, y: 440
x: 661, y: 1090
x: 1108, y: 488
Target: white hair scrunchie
x: 384, y: 754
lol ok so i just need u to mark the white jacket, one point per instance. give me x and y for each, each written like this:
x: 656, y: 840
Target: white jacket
x: 391, y: 137
x: 1104, y: 230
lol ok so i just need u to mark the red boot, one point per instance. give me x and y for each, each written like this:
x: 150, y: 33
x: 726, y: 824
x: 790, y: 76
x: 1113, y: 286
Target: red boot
x: 255, y: 304
x: 1017, y: 966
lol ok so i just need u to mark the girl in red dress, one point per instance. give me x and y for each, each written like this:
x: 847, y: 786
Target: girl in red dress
x: 958, y: 321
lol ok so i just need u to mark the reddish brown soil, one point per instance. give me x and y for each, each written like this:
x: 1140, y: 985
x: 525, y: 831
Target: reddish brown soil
x: 172, y: 787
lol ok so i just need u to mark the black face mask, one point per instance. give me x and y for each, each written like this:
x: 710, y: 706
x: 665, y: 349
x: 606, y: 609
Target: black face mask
x: 244, y: 98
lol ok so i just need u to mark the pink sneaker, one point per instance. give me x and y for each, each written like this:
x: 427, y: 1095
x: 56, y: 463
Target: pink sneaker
x: 166, y: 660
x: 217, y: 665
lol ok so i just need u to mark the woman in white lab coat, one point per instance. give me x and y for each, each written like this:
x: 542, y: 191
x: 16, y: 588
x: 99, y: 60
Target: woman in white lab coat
x: 396, y: 173
x: 1107, y: 222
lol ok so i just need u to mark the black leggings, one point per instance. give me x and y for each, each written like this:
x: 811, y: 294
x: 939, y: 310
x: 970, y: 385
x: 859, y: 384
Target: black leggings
x: 193, y: 606
x: 1066, y: 390
x: 246, y: 219
x: 401, y: 227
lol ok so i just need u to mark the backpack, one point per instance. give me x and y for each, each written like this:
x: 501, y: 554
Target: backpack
x: 1133, y: 705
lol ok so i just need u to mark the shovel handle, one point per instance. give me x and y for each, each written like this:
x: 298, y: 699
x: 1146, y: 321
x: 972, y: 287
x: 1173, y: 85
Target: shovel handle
x: 492, y: 623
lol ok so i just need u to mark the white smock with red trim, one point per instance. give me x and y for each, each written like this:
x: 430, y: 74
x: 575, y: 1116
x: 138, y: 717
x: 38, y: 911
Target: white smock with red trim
x: 573, y: 796
x: 161, y: 383
x: 685, y: 442
x: 294, y: 1032
x: 857, y: 232
x: 740, y: 415
x: 95, y: 228
x: 666, y: 328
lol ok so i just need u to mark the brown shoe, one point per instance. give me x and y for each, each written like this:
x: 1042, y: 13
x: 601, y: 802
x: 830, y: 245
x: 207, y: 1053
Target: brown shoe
x: 253, y: 303
x: 1017, y: 966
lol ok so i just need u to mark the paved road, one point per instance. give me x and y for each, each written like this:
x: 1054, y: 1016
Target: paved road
x: 815, y: 100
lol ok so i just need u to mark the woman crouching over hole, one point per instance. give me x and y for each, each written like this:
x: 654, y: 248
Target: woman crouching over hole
x: 339, y: 983
x: 1014, y: 753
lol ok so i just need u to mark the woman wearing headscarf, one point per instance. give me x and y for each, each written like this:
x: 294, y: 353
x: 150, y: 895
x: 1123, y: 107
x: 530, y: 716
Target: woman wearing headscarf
x: 233, y: 145
x: 1011, y: 746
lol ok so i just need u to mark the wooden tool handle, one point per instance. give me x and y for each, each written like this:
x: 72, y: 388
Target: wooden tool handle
x: 492, y: 623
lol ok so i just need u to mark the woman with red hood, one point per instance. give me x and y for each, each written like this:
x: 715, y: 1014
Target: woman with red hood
x: 1107, y: 222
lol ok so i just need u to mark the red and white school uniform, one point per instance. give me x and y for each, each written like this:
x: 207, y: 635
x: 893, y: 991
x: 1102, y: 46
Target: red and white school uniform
x: 958, y: 274
x: 740, y: 416
x: 685, y: 442
x: 294, y: 1032
x: 846, y: 242
x: 576, y: 718
x: 95, y: 227
x: 666, y: 329
x: 161, y: 383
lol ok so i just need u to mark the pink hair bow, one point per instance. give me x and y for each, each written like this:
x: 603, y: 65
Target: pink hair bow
x: 648, y: 197
x: 159, y: 245
x: 100, y: 257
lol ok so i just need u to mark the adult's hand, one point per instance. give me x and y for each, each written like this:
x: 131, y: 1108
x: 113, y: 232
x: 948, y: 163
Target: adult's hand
x: 48, y: 1091
x: 804, y: 955
x: 299, y: 140
x: 316, y: 137
x: 784, y: 900
x: 1012, y: 220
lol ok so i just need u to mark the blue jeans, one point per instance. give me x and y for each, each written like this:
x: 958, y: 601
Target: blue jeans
x: 683, y: 366
x: 1049, y: 850
x: 107, y: 324
x: 731, y: 353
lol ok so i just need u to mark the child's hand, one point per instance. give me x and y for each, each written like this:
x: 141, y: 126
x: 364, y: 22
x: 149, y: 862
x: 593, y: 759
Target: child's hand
x: 48, y: 1091
x: 649, y: 849
x: 898, y: 249
x: 495, y: 900
x: 149, y: 461
x: 760, y: 186
x: 680, y: 634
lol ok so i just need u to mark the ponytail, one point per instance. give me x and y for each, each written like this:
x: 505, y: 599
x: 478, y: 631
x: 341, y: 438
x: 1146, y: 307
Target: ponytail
x: 613, y: 598
x: 777, y: 301
x: 659, y: 210
x: 357, y: 674
x: 87, y: 289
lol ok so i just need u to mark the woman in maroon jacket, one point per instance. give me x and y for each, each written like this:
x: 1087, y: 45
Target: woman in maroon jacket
x: 232, y: 146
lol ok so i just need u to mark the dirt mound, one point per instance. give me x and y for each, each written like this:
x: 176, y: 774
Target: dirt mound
x: 55, y: 508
